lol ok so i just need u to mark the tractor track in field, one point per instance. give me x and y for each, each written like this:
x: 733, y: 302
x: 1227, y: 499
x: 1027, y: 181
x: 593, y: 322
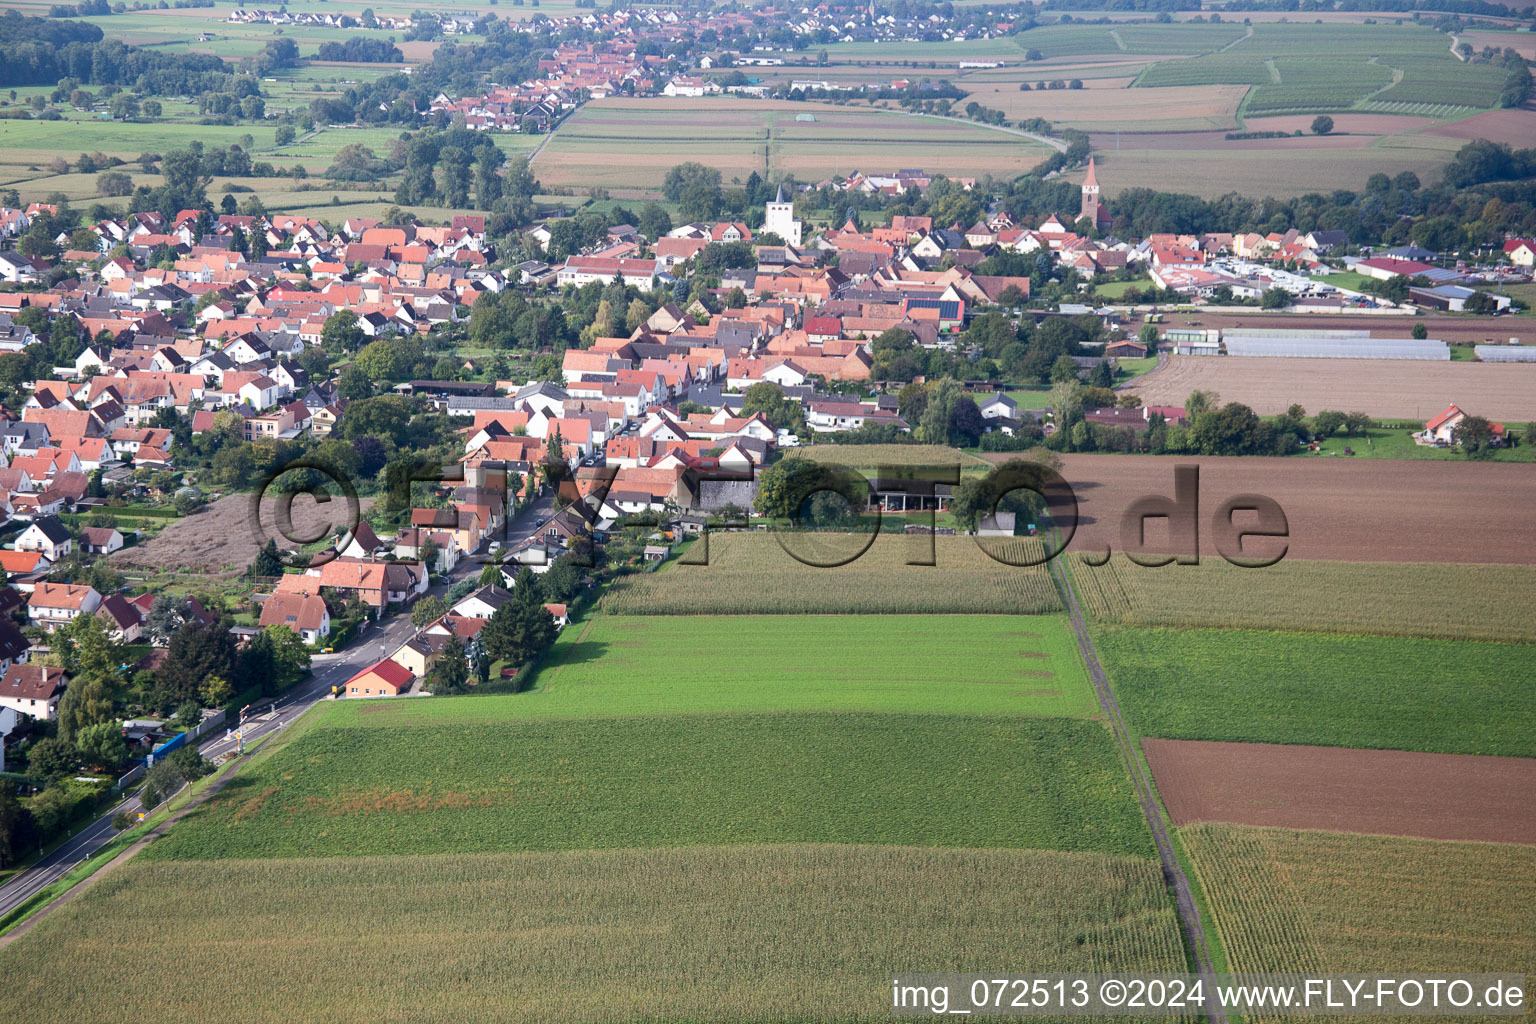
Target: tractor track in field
x: 1173, y: 872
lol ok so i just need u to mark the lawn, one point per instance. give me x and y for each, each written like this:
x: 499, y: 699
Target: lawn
x: 1438, y: 696
x: 803, y: 933
x: 1433, y: 599
x: 1315, y: 902
x: 1397, y: 443
x: 1032, y: 398
x: 478, y: 780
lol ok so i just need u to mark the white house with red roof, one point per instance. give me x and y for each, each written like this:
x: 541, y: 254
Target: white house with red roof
x: 1441, y: 430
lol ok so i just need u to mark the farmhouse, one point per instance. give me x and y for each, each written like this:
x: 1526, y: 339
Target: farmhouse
x: 1441, y: 430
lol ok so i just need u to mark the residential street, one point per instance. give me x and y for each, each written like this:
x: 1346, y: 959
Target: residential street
x: 328, y: 670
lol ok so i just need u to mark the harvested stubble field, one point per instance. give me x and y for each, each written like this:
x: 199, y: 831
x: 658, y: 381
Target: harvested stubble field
x: 808, y: 933
x: 218, y: 540
x: 1366, y: 510
x: 1269, y: 172
x: 1112, y: 109
x: 1406, y: 388
x: 1423, y: 599
x: 874, y: 456
x: 1287, y: 901
x: 635, y: 141
x: 1386, y: 792
x: 948, y: 664
x: 1245, y: 686
x: 682, y: 780
x: 750, y: 573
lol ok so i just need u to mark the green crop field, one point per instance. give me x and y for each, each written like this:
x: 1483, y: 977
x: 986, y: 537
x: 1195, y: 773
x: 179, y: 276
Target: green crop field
x: 1055, y: 41
x: 1313, y: 902
x: 949, y: 664
x: 1318, y: 85
x: 1447, y: 81
x: 1219, y: 69
x: 480, y: 786
x: 1344, y: 41
x: 794, y: 932
x: 1437, y: 696
x: 754, y: 573
x: 1176, y: 39
x: 1407, y: 599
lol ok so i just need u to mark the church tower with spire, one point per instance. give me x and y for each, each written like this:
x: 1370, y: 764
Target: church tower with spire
x: 1093, y: 209
x: 780, y: 218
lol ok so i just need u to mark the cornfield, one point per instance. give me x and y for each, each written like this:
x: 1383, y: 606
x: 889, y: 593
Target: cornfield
x: 744, y: 933
x: 1476, y: 602
x: 1308, y: 902
x: 750, y: 573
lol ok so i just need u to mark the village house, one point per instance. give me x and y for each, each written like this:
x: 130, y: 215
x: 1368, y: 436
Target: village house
x: 386, y: 678
x: 305, y: 614
x: 56, y: 604
x: 32, y: 690
x: 48, y: 536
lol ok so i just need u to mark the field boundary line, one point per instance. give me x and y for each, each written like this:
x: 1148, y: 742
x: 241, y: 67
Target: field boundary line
x: 1173, y: 871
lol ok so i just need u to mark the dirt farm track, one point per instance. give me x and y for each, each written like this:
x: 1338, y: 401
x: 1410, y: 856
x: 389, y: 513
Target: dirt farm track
x: 1384, y: 792
x: 1369, y: 510
x: 1407, y: 389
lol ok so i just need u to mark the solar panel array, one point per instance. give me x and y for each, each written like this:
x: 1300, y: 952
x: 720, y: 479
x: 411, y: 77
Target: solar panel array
x: 1506, y: 353
x: 1338, y: 348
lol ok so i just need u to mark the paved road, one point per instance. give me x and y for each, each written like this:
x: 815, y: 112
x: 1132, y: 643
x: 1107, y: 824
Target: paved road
x: 265, y: 718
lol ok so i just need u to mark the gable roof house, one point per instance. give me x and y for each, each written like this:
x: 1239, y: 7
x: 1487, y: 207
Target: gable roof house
x: 32, y: 690
x: 54, y: 604
x: 48, y: 536
x: 305, y: 614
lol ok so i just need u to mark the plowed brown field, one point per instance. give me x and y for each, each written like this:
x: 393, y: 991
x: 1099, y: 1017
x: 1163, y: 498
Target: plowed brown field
x: 1382, y: 792
x: 1406, y: 388
x: 1380, y: 510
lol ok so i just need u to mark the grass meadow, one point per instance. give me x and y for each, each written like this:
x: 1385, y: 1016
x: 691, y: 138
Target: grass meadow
x: 686, y: 780
x: 754, y: 573
x: 705, y: 933
x: 1289, y: 901
x: 1427, y: 599
x: 1437, y: 696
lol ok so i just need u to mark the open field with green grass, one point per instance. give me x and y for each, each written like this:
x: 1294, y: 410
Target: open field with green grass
x: 685, y: 780
x: 950, y: 664
x: 1289, y: 901
x: 1391, y: 598
x: 753, y: 573
x: 1436, y: 696
x: 804, y: 933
